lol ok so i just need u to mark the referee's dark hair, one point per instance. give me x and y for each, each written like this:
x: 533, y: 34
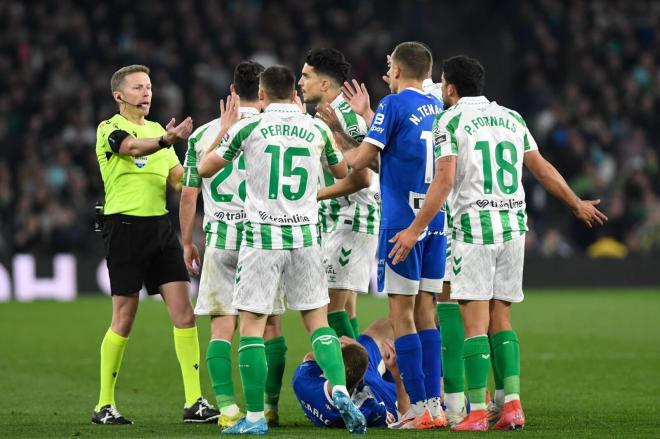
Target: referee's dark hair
x: 466, y: 74
x: 246, y: 79
x: 329, y: 62
x: 414, y: 59
x: 278, y: 82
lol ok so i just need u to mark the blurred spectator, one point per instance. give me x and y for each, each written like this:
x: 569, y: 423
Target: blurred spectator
x: 583, y: 74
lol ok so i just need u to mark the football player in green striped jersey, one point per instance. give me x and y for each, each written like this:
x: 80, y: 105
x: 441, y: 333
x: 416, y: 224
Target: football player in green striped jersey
x: 224, y: 216
x: 480, y: 148
x: 350, y: 222
x: 282, y: 148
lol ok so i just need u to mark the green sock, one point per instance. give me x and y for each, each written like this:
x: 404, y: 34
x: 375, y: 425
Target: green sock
x: 276, y: 360
x: 112, y: 352
x: 356, y: 326
x: 451, y: 329
x: 339, y: 321
x: 476, y: 353
x: 186, y: 345
x: 253, y: 368
x: 327, y: 352
x: 497, y: 376
x: 218, y: 361
x: 507, y: 354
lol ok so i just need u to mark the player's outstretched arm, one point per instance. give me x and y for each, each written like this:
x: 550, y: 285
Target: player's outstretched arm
x: 389, y: 358
x: 553, y: 182
x: 210, y: 164
x: 126, y: 144
x: 441, y: 186
x: 187, y: 208
x: 353, y: 182
x: 357, y: 97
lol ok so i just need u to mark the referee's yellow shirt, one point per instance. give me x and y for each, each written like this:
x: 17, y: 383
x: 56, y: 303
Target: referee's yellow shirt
x: 133, y: 185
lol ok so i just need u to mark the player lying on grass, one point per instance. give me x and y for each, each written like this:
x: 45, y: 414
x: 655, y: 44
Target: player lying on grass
x: 372, y: 378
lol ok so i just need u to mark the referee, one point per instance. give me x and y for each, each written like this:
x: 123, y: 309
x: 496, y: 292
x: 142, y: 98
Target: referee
x: 136, y: 162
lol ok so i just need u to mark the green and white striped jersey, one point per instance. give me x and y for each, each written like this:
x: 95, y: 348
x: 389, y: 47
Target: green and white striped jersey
x: 359, y: 212
x: 488, y: 200
x: 282, y: 148
x: 224, y: 193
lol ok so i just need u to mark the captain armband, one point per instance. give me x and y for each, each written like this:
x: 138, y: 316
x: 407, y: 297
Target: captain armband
x: 115, y: 138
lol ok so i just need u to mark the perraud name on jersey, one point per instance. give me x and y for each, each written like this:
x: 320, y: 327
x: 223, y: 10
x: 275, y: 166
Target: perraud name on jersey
x: 286, y: 219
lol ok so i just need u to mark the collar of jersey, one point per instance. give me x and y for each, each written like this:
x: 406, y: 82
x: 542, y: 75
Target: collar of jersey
x: 248, y: 111
x: 477, y: 101
x: 338, y: 100
x: 422, y: 92
x: 284, y: 108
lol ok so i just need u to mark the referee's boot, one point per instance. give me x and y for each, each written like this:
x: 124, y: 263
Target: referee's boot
x: 201, y: 412
x: 108, y: 415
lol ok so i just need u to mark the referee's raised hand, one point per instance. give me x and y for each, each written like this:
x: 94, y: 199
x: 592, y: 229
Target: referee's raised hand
x: 180, y: 132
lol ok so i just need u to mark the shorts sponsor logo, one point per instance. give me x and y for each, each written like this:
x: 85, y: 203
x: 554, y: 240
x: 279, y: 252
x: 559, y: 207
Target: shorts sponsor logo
x: 502, y: 204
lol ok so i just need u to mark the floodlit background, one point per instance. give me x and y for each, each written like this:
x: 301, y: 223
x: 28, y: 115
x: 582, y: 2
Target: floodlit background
x: 584, y: 75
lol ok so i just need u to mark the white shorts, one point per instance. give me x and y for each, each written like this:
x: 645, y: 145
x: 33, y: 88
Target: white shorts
x: 299, y: 274
x: 349, y: 257
x: 216, y: 283
x: 485, y: 272
x: 448, y: 272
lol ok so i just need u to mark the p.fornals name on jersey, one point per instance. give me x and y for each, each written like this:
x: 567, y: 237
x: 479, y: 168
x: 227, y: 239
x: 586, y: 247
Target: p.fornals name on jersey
x: 286, y: 219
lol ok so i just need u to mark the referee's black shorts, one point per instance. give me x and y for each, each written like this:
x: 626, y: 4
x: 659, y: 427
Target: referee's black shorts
x: 142, y: 250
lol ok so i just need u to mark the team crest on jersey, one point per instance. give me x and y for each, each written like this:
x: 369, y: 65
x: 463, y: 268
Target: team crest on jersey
x: 141, y: 162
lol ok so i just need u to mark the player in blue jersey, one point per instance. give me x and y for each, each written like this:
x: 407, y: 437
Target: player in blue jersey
x: 372, y: 377
x: 400, y: 136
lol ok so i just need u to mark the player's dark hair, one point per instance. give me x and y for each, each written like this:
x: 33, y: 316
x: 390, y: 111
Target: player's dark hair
x: 466, y: 74
x: 356, y: 361
x: 414, y: 59
x: 246, y: 79
x: 329, y: 62
x: 278, y: 82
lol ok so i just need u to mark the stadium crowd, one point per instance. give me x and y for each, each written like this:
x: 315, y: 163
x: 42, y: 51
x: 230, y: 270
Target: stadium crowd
x: 584, y: 77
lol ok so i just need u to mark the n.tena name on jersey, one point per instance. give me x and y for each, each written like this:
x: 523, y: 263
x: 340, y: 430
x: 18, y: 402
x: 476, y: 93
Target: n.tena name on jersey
x: 287, y: 130
x: 425, y: 111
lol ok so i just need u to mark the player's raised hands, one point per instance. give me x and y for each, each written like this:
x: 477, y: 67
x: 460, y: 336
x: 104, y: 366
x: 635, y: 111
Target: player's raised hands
x: 230, y: 113
x: 179, y: 132
x: 328, y: 115
x: 403, y: 242
x: 587, y: 212
x: 357, y: 97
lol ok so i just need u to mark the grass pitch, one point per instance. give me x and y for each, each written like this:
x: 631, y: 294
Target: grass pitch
x: 590, y: 364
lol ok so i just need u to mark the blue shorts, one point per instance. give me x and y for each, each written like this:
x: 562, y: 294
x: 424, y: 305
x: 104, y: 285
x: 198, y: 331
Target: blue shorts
x: 422, y: 270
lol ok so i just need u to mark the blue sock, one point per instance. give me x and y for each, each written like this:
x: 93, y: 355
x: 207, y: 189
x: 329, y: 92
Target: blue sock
x: 431, y: 361
x: 409, y: 358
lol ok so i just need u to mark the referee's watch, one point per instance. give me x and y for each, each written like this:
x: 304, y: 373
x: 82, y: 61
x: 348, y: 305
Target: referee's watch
x: 162, y: 143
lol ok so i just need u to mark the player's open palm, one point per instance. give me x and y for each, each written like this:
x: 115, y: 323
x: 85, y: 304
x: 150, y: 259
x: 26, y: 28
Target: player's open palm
x: 179, y: 132
x: 357, y: 96
x: 328, y: 115
x: 589, y: 214
x: 230, y: 113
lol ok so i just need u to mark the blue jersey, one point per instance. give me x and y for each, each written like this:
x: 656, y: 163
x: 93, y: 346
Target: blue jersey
x: 401, y: 128
x: 375, y: 396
